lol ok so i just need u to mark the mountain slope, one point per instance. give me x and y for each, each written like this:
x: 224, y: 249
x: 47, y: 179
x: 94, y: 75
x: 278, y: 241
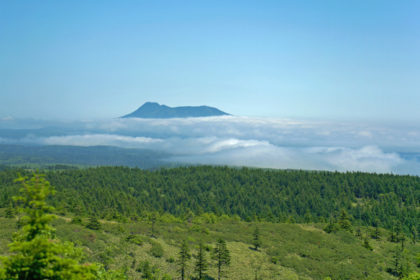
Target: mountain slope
x: 288, y: 251
x: 153, y: 110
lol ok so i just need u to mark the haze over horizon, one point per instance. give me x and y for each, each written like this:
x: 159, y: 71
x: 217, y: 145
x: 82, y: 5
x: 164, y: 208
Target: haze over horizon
x: 333, y: 86
x: 282, y: 59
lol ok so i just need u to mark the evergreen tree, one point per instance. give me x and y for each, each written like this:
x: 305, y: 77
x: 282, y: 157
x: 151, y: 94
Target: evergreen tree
x: 153, y: 217
x: 222, y: 256
x: 331, y: 227
x: 256, y: 241
x: 401, y: 263
x: 148, y: 271
x: 344, y: 221
x: 398, y: 231
x: 393, y: 236
x: 366, y: 244
x: 201, y: 264
x: 376, y: 234
x: 9, y: 213
x: 183, y: 257
x: 358, y: 233
x: 413, y: 235
x: 249, y: 194
x: 36, y: 254
x: 93, y: 224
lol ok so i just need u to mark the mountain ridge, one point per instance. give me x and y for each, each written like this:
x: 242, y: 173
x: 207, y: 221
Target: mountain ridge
x: 153, y: 110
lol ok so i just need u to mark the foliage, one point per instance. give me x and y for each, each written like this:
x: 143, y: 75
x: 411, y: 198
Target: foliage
x: 76, y: 220
x: 256, y: 240
x: 9, y: 213
x: 190, y: 208
x: 183, y: 257
x: 93, y: 224
x: 414, y: 234
x: 135, y: 239
x: 401, y: 265
x: 412, y: 276
x: 36, y: 254
x: 201, y: 264
x: 188, y: 193
x: 156, y: 250
x: 148, y: 271
x: 332, y: 227
x: 344, y: 221
x: 222, y: 256
x: 366, y: 244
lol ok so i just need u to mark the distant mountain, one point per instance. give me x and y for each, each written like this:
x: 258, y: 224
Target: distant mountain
x: 152, y: 110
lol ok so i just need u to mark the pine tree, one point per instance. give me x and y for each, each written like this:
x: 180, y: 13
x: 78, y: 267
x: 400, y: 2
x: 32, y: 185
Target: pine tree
x: 366, y: 244
x: 36, y: 254
x: 393, y: 236
x: 153, y: 217
x: 344, y: 221
x: 201, y: 264
x: 183, y: 257
x: 331, y: 227
x: 222, y: 256
x: 9, y: 213
x: 401, y: 263
x: 256, y: 241
x: 413, y: 235
x: 93, y: 224
x: 358, y: 233
x: 376, y: 234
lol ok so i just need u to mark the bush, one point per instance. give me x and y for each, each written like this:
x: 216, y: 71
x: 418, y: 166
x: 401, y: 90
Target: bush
x: 274, y: 260
x: 148, y: 271
x: 76, y: 220
x: 156, y: 250
x: 36, y: 254
x: 331, y: 227
x: 135, y: 239
x: 413, y: 276
x: 94, y: 224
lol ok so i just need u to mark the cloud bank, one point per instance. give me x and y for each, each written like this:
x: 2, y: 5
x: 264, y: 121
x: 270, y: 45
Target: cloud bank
x: 257, y: 142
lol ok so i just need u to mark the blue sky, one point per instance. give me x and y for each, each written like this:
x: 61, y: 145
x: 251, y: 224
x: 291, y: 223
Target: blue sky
x: 333, y: 60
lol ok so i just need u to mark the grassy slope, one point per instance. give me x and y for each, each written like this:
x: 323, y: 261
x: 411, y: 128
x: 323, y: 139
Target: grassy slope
x: 303, y: 251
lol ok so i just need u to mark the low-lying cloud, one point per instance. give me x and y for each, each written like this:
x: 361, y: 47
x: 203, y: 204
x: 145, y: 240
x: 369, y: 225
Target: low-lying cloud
x: 257, y: 142
x: 99, y: 140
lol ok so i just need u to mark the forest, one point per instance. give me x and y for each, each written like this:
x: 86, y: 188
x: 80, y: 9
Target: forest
x: 207, y: 222
x: 384, y: 200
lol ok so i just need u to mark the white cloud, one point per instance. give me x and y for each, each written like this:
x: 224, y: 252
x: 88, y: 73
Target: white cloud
x: 8, y: 118
x: 98, y: 140
x: 259, y: 142
x: 369, y: 158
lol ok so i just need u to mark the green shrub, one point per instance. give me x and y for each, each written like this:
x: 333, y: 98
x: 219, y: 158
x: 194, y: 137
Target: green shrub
x: 93, y: 224
x: 76, y: 220
x: 148, y: 271
x: 135, y: 239
x: 156, y: 250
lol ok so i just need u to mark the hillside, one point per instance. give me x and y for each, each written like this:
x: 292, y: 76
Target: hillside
x: 312, y: 225
x: 156, y: 111
x: 289, y: 251
x: 388, y: 201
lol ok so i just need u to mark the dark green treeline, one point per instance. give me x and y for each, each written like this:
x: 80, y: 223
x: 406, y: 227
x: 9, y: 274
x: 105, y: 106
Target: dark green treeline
x: 251, y: 194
